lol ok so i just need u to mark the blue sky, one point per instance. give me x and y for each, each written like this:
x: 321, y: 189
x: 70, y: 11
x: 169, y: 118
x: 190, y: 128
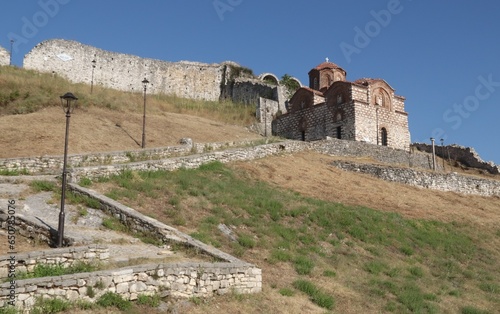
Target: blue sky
x: 443, y: 56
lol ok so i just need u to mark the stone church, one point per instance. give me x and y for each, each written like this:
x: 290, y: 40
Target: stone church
x: 365, y: 110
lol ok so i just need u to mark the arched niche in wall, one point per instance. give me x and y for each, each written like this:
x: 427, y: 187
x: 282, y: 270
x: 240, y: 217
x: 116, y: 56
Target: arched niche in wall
x: 381, y: 98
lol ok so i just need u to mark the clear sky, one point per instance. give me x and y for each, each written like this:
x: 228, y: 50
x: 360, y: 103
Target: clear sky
x: 443, y: 56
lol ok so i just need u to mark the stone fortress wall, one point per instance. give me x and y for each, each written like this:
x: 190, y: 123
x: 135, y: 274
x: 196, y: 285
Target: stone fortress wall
x: 466, y: 156
x: 4, y: 56
x: 186, y: 79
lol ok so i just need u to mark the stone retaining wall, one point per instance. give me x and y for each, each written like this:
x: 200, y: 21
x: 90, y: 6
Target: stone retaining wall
x: 176, y: 280
x: 53, y: 164
x: 452, y: 182
x: 193, y: 161
x: 33, y: 229
x: 26, y: 262
x: 331, y: 147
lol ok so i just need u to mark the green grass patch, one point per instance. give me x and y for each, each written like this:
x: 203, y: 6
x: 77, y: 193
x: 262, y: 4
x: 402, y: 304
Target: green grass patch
x: 473, y: 310
x: 110, y: 299
x: 149, y: 300
x: 287, y: 292
x: 48, y: 270
x: 47, y: 306
x: 43, y: 186
x: 316, y: 295
x: 303, y: 265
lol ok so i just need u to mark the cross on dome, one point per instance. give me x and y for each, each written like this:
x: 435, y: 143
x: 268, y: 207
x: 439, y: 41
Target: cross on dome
x: 327, y: 60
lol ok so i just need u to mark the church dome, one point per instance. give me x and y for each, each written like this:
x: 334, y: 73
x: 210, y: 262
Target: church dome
x: 327, y: 65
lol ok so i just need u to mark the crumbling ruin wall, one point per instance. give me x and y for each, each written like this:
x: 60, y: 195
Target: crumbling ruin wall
x: 4, y: 56
x: 466, y: 156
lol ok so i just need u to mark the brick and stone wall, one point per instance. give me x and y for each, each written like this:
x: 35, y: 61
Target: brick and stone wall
x: 466, y: 156
x: 4, y: 56
x: 451, y: 182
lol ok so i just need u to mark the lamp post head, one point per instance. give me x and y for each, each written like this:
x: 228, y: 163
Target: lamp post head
x: 145, y: 83
x: 66, y: 101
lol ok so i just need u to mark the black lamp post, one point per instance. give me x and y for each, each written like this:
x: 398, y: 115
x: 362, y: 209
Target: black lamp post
x: 11, y: 43
x: 92, y: 79
x: 68, y: 103
x: 376, y: 112
x: 433, y: 154
x: 145, y: 85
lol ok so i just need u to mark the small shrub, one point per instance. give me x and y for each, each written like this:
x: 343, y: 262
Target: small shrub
x: 149, y: 300
x: 8, y: 310
x: 490, y: 287
x: 90, y: 292
x: 375, y: 267
x: 416, y: 271
x: 406, y: 250
x: 281, y: 255
x: 110, y: 299
x: 114, y: 224
x: 287, y: 292
x: 329, y: 273
x: 317, y: 296
x: 99, y: 285
x: 48, y: 306
x: 246, y: 241
x: 85, y: 182
x: 303, y: 265
x: 472, y: 310
x: 43, y: 186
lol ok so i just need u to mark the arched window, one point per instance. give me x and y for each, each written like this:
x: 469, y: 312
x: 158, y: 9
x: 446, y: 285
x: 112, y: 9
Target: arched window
x: 384, y: 137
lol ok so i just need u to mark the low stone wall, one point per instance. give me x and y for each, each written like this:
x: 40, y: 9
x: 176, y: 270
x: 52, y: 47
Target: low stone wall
x: 26, y: 262
x: 155, y: 158
x: 176, y: 280
x: 452, y: 182
x: 331, y: 147
x: 53, y: 164
x: 193, y: 161
x: 465, y: 155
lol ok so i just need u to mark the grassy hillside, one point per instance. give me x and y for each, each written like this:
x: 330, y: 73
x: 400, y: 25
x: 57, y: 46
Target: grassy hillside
x: 320, y: 256
x: 26, y: 91
x: 32, y: 122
